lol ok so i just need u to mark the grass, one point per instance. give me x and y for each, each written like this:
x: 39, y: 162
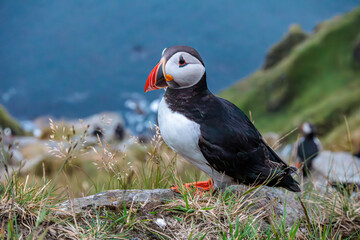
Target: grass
x: 27, y: 207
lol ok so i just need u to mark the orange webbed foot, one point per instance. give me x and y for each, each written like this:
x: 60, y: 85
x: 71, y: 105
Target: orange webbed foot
x: 203, y: 186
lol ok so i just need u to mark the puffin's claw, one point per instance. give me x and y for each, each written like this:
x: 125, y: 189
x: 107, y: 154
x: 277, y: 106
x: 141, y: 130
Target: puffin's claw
x: 203, y: 186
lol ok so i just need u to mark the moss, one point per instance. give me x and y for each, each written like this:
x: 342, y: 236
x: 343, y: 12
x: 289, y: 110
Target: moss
x: 316, y: 81
x: 6, y: 121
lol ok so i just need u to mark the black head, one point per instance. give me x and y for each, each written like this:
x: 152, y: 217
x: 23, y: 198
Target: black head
x: 179, y: 67
x: 308, y: 129
x: 169, y: 52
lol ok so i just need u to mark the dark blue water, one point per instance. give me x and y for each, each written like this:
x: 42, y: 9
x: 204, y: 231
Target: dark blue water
x: 74, y: 58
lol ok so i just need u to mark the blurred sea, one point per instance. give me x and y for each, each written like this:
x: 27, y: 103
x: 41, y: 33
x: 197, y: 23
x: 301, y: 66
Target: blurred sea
x: 75, y: 58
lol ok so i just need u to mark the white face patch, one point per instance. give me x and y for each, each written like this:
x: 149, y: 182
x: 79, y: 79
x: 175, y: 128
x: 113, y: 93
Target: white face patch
x: 185, y: 75
x: 306, y: 128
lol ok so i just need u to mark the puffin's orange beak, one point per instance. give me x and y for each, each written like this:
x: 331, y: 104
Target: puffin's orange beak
x: 156, y: 79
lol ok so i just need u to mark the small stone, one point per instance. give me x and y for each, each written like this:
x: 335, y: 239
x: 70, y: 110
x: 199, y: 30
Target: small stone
x: 160, y: 222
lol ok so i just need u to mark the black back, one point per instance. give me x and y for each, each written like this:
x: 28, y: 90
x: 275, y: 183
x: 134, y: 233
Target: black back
x: 307, y: 151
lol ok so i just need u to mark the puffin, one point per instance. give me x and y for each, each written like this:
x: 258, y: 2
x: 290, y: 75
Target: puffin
x: 210, y: 132
x: 308, y: 147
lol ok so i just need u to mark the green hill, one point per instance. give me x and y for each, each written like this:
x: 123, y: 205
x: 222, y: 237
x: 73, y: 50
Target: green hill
x: 318, y: 80
x: 6, y: 121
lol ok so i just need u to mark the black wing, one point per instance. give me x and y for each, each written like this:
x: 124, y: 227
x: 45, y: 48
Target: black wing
x: 232, y: 145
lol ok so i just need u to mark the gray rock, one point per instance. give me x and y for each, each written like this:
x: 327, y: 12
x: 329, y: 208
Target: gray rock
x: 277, y: 201
x: 274, y: 201
x: 337, y: 167
x: 114, y: 198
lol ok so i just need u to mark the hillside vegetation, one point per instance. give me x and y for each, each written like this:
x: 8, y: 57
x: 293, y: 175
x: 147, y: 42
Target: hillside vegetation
x: 6, y: 121
x: 318, y: 81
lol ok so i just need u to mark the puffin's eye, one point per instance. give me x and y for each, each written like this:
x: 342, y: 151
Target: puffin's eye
x: 182, y: 61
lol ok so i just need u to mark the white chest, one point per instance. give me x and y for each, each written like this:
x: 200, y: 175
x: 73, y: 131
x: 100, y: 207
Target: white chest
x: 179, y: 133
x: 182, y: 135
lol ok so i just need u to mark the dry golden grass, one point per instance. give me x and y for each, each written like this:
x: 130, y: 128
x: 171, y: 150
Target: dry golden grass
x: 26, y: 203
